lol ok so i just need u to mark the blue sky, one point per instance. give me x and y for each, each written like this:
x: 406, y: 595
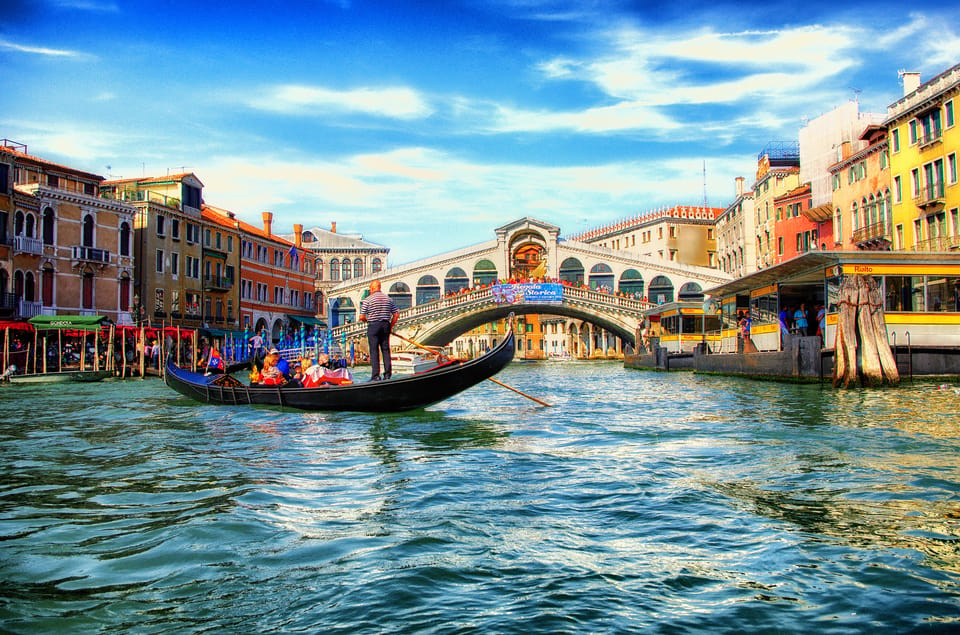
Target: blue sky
x: 425, y: 125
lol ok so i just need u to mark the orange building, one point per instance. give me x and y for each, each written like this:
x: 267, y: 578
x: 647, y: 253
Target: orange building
x: 796, y: 233
x: 276, y: 282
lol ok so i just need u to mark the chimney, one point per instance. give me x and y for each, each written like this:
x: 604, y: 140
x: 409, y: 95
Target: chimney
x: 739, y: 180
x: 911, y: 82
x: 268, y: 223
x: 333, y: 227
x: 298, y: 235
x: 845, y: 150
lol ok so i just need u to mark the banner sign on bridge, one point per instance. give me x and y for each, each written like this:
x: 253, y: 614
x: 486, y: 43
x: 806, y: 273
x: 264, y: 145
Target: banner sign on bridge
x: 533, y: 292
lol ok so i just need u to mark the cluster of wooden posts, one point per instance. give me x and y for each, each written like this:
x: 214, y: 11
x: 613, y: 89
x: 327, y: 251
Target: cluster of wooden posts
x: 862, y: 336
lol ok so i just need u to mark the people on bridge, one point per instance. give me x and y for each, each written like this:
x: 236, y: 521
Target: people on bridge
x: 380, y: 313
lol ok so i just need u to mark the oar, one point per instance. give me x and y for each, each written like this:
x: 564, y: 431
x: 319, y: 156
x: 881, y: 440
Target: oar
x: 500, y: 383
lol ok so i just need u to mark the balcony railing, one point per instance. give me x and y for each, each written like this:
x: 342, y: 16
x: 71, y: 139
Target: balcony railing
x: 24, y: 245
x: 28, y: 309
x: 930, y: 194
x: 939, y: 243
x: 140, y: 196
x: 91, y: 254
x: 217, y: 283
x: 931, y: 136
x: 871, y: 232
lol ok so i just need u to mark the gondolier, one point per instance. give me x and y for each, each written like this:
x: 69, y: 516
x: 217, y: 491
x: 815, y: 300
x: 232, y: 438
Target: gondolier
x: 380, y: 313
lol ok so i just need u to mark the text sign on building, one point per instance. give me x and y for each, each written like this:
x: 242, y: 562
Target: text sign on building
x: 532, y: 292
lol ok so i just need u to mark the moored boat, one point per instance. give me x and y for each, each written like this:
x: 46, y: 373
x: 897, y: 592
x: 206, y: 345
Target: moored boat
x: 393, y: 395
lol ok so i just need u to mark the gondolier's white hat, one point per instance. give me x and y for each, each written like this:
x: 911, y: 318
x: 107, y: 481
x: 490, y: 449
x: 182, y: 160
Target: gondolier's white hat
x: 273, y: 350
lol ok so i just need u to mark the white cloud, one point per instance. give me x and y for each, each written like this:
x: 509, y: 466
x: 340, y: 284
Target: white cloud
x: 398, y: 102
x: 40, y: 50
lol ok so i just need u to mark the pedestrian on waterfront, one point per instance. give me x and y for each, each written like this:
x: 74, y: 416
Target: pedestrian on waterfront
x: 821, y: 321
x: 800, y: 319
x: 380, y: 313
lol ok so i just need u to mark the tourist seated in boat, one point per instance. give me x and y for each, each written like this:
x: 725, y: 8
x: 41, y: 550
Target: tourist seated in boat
x: 271, y: 375
x: 315, y: 375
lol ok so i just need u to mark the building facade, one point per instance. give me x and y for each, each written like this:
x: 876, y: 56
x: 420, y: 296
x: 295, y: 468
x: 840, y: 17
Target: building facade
x: 736, y: 246
x: 65, y: 250
x: 778, y: 172
x: 168, y: 286
x: 220, y: 268
x: 924, y: 139
x: 276, y: 282
x: 338, y: 257
x: 862, y: 203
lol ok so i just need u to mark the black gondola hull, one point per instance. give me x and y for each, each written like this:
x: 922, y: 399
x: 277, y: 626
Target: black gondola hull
x: 393, y: 395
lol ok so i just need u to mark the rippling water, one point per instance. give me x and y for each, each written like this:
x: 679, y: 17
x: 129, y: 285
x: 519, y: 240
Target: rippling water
x: 662, y: 503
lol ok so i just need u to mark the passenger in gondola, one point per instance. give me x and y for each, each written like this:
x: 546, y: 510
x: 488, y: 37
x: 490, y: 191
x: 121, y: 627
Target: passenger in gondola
x: 215, y: 365
x: 271, y: 375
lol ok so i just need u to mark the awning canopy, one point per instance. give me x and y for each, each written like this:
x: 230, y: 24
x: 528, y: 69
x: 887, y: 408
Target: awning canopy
x: 17, y: 326
x: 222, y: 333
x: 307, y: 320
x: 67, y: 322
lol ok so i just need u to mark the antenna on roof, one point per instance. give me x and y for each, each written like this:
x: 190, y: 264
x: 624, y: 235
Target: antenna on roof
x: 705, y: 183
x: 856, y: 94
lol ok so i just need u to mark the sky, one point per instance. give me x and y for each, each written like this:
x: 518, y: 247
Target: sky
x: 425, y: 125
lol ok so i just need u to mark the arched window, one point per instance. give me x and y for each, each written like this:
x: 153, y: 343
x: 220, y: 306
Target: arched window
x: 48, y: 224
x: 376, y: 266
x: 88, y: 225
x: 690, y: 292
x: 455, y: 280
x: 400, y: 294
x: 29, y: 288
x: 484, y: 273
x: 856, y: 217
x: 358, y: 268
x: 319, y: 268
x: 571, y: 270
x: 601, y: 277
x: 631, y: 282
x: 334, y: 269
x: 661, y: 290
x: 30, y: 231
x: 428, y: 289
x: 345, y: 268
x: 124, y: 239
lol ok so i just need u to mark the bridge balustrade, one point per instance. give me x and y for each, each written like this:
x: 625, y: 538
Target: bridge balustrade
x: 477, y: 298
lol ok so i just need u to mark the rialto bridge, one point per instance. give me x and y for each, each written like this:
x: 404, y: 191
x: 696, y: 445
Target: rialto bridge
x: 444, y: 296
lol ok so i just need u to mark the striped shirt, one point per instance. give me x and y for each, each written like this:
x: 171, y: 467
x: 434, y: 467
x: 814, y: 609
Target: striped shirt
x: 378, y: 307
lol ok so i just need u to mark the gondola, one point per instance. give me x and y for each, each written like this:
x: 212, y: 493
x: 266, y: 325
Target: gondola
x: 392, y: 395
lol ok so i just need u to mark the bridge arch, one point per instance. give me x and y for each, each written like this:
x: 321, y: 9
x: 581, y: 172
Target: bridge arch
x: 631, y: 283
x: 601, y: 277
x: 661, y: 290
x: 455, y: 280
x: 571, y: 270
x: 428, y: 289
x: 400, y: 294
x: 484, y: 273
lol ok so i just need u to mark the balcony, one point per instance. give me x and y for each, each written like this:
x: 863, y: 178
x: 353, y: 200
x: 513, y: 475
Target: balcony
x: 24, y: 245
x: 872, y: 234
x: 8, y: 302
x: 930, y: 137
x: 217, y: 283
x: 930, y: 195
x: 28, y: 309
x: 939, y: 243
x: 90, y: 254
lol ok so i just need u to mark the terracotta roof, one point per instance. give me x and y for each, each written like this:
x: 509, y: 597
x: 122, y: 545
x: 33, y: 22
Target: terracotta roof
x: 170, y: 178
x: 37, y: 160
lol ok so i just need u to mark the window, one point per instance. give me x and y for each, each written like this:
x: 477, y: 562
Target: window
x: 335, y: 269
x: 230, y: 244
x: 53, y: 181
x: 915, y: 182
x: 175, y: 228
x: 952, y: 168
x: 191, y: 196
x: 884, y: 160
x: 48, y: 224
x: 914, y: 127
x: 4, y: 178
x: 174, y: 264
x: 88, y: 239
x: 206, y: 237
x: 346, y: 268
x: 897, y: 189
x: 838, y: 226
x: 948, y: 113
x: 899, y: 238
x: 930, y: 127
x: 159, y: 261
x: 124, y: 239
x: 357, y: 268
x: 376, y: 266
x: 161, y: 226
x: 895, y: 141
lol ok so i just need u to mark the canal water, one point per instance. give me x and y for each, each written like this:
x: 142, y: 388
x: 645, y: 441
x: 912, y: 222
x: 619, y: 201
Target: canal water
x: 639, y: 502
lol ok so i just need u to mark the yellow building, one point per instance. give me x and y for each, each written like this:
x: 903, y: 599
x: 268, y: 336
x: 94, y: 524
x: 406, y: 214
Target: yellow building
x: 778, y: 172
x: 924, y: 138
